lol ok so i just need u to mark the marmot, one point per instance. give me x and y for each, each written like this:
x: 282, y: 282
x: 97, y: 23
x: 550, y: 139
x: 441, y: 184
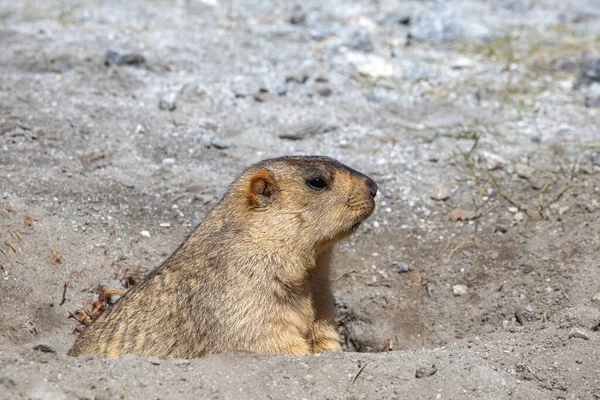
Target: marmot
x: 254, y: 274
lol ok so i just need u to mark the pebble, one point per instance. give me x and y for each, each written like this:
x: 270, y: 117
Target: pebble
x: 165, y: 225
x: 538, y: 184
x: 298, y: 16
x: 493, y: 161
x: 596, y: 297
x: 123, y: 56
x: 299, y: 78
x: 460, y: 290
x: 440, y: 193
x: 401, y: 267
x: 439, y: 24
x: 371, y: 65
x: 168, y: 101
x: 394, y: 19
x: 210, y: 140
x: 145, y: 234
x: 424, y: 372
x: 325, y: 91
x: 519, y: 216
x: 513, y: 210
x: 592, y: 206
x: 44, y: 348
x: 463, y: 215
x: 261, y: 96
x: 307, y: 129
x: 6, y: 381
x: 356, y: 38
x: 589, y: 74
x: 524, y: 171
x: 220, y: 144
x: 462, y: 63
x: 592, y: 96
x: 579, y: 333
x: 154, y: 360
x: 494, y: 255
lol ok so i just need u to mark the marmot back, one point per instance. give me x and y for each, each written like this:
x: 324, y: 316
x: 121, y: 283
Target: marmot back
x: 254, y: 275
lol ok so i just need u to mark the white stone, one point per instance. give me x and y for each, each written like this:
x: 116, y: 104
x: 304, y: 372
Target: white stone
x: 460, y: 290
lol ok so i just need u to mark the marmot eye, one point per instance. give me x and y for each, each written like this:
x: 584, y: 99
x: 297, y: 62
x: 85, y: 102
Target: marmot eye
x: 317, y: 183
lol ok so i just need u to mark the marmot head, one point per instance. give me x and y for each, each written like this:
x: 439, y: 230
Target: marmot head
x: 313, y: 201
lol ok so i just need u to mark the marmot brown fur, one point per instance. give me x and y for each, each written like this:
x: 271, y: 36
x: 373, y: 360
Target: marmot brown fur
x: 254, y: 275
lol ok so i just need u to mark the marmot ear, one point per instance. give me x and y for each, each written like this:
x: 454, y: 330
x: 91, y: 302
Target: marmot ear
x: 262, y: 189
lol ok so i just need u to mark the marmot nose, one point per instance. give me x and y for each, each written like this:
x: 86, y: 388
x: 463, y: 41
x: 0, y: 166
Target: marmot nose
x: 372, y: 187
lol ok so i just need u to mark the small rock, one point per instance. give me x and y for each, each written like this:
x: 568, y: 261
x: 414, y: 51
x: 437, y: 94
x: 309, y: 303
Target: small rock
x: 261, y: 96
x: 281, y: 90
x: 168, y: 101
x: 7, y: 382
x: 502, y: 228
x: 596, y: 297
x: 460, y: 290
x: 306, y: 130
x: 462, y: 63
x: 401, y: 267
x: 181, y: 361
x: 394, y: 19
x: 44, y: 348
x: 519, y: 216
x: 165, y: 225
x: 538, y: 184
x: 371, y: 65
x: 299, y: 78
x: 145, y: 234
x: 298, y: 16
x: 325, y: 92
x: 139, y: 129
x: 589, y: 74
x: 425, y: 372
x: 493, y: 161
x: 524, y: 171
x: 592, y: 96
x: 169, y: 161
x: 513, y: 210
x: 220, y: 144
x: 123, y: 56
x: 592, y: 206
x: 579, y: 333
x: 596, y: 159
x: 211, y: 140
x: 154, y: 360
x: 494, y: 255
x: 463, y: 215
x: 439, y: 24
x: 440, y: 193
x: 356, y: 38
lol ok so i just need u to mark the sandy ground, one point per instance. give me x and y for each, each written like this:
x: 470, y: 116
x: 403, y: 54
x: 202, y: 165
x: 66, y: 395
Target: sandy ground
x: 478, y: 276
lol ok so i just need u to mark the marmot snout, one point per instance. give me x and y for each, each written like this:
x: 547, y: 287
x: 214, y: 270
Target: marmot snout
x: 254, y: 275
